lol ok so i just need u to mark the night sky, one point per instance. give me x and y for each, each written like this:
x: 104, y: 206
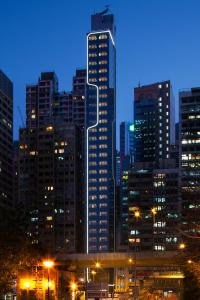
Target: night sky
x: 156, y: 40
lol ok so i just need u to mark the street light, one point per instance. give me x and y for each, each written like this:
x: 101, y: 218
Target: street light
x: 154, y: 212
x: 97, y: 265
x: 48, y: 264
x: 93, y: 273
x: 130, y: 260
x: 27, y: 285
x: 73, y: 287
x: 182, y: 246
x: 137, y: 214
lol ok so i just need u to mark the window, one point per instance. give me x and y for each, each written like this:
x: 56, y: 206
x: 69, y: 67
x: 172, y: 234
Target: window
x: 103, y: 137
x: 103, y: 171
x: 159, y: 224
x: 103, y: 129
x: 103, y: 146
x: 104, y: 53
x: 103, y: 36
x: 92, y: 46
x: 92, y: 37
x: 159, y: 248
x: 92, y: 54
x: 103, y: 112
x: 103, y: 62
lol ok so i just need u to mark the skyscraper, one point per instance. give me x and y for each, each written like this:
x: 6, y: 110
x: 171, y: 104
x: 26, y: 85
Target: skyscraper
x: 126, y: 159
x: 126, y: 141
x: 190, y: 160
x: 6, y: 143
x: 100, y: 134
x: 51, y: 165
x: 154, y: 122
x: 154, y: 181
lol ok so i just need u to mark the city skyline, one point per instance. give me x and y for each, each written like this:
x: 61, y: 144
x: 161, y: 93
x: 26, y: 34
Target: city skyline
x: 154, y: 59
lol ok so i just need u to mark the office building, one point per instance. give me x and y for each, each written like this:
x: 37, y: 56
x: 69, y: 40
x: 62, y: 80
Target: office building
x: 154, y: 122
x: 51, y: 165
x: 190, y: 161
x: 6, y: 143
x: 100, y: 134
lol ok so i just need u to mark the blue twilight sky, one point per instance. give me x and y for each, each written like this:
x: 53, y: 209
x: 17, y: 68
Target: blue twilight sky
x: 156, y: 40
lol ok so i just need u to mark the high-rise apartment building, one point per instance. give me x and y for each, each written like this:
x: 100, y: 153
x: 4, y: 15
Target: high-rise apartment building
x: 154, y: 180
x: 100, y: 134
x: 6, y: 142
x: 154, y: 206
x: 51, y: 165
x: 154, y: 122
x: 190, y: 160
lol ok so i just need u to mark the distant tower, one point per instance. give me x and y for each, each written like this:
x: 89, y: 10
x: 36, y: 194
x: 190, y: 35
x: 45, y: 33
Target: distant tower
x: 190, y: 161
x: 100, y: 134
x: 6, y: 143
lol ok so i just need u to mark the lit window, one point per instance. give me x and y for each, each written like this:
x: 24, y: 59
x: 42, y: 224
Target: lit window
x: 92, y: 37
x: 103, y: 36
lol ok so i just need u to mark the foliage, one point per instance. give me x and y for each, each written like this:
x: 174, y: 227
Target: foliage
x: 191, y: 284
x: 16, y: 251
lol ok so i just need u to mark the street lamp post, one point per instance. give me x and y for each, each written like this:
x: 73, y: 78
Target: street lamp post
x: 27, y: 285
x: 48, y: 264
x: 73, y: 288
x: 98, y: 265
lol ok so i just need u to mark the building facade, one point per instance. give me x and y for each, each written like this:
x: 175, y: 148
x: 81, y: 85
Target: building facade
x: 190, y: 161
x: 126, y: 141
x: 154, y: 206
x: 154, y: 122
x: 51, y: 165
x: 6, y: 143
x: 100, y: 134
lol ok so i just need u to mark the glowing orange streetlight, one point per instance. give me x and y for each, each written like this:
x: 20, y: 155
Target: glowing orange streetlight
x: 137, y: 214
x: 189, y: 261
x: 73, y: 287
x: 154, y: 212
x: 93, y: 272
x: 182, y: 246
x: 97, y: 265
x: 48, y: 263
x: 130, y: 260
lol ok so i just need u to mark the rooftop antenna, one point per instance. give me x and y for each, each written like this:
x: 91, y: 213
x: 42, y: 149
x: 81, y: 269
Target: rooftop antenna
x: 105, y: 10
x: 139, y: 83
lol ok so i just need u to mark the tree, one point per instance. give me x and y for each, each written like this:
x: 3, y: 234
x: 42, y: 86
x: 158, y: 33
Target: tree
x: 17, y: 253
